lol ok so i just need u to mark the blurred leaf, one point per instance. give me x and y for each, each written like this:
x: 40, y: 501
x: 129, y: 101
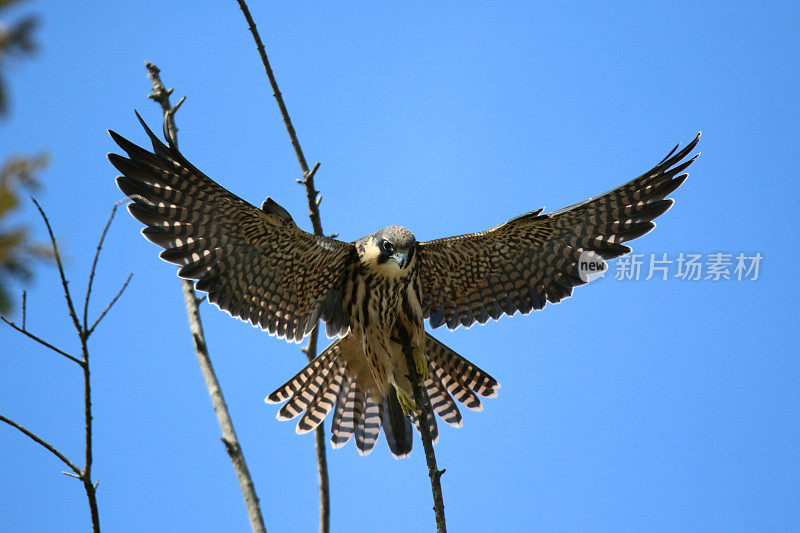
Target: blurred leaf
x: 18, y: 173
x: 8, y: 201
x: 18, y: 252
x: 5, y: 301
x: 16, y: 40
x: 24, y: 169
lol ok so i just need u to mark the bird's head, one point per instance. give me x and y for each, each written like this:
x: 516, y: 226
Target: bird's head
x: 390, y: 251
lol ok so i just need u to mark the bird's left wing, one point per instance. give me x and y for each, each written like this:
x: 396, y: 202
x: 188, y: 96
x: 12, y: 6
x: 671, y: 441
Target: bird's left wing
x: 254, y: 263
x: 533, y: 259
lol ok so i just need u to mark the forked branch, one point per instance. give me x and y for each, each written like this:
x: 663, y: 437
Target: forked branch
x: 83, y: 474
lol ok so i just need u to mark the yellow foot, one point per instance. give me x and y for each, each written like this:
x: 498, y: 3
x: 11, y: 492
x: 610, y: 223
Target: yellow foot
x: 421, y: 362
x: 406, y: 402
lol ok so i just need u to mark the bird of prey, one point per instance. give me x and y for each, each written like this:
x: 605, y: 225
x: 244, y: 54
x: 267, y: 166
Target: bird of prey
x: 375, y: 293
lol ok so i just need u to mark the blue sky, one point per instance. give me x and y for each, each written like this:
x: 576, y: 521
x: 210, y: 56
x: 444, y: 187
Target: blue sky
x: 635, y: 405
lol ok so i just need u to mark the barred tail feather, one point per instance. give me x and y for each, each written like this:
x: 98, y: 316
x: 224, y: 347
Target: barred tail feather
x: 469, y: 375
x: 369, y: 426
x: 306, y: 394
x: 349, y: 408
x: 441, y: 402
x: 454, y: 386
x: 341, y: 428
x: 359, y: 404
x: 324, y: 400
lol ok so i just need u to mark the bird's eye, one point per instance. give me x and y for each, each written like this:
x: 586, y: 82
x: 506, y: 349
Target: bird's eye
x: 388, y: 246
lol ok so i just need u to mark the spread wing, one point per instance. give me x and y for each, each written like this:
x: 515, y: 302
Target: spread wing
x: 533, y: 259
x: 254, y: 263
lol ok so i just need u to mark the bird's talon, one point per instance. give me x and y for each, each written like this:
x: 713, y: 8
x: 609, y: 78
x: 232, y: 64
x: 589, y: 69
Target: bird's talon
x: 421, y: 362
x: 406, y: 402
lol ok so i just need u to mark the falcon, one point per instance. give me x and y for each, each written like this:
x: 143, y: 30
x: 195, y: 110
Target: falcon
x: 375, y: 293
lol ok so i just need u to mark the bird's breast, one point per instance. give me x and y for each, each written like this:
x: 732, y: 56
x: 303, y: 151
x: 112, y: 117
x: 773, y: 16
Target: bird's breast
x: 372, y: 299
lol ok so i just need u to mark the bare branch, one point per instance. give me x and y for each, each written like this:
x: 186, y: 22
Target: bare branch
x: 313, y: 212
x: 427, y: 442
x: 86, y: 475
x: 161, y: 95
x: 42, y: 341
x: 110, y: 304
x: 24, y: 307
x: 49, y: 447
x: 229, y: 438
x: 64, y: 281
x: 94, y: 262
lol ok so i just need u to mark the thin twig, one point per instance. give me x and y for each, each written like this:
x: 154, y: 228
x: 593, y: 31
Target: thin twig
x: 110, y: 304
x: 274, y: 84
x: 24, y: 307
x: 313, y: 212
x: 94, y: 264
x: 42, y: 341
x: 73, y: 315
x: 49, y: 447
x: 161, y: 95
x: 427, y: 441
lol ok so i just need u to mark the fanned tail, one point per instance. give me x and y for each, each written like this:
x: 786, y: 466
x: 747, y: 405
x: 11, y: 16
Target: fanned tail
x: 325, y: 384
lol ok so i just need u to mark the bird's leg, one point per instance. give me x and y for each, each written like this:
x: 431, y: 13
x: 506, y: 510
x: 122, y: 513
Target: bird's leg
x: 421, y: 362
x: 406, y: 401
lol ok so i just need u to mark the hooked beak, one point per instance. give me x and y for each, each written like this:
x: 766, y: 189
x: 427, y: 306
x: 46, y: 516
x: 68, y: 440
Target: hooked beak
x: 401, y: 258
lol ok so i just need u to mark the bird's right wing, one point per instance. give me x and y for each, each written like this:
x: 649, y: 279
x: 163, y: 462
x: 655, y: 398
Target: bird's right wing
x: 533, y: 258
x: 254, y: 263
